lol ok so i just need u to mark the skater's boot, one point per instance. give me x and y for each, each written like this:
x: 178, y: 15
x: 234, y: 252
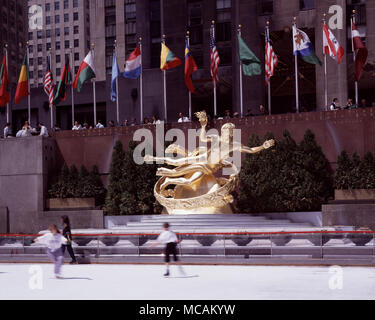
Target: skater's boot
x: 58, y: 276
x: 166, y: 274
x: 73, y: 262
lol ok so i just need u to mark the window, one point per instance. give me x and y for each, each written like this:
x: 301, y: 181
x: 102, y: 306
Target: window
x: 48, y: 7
x: 75, y: 3
x: 57, y: 45
x: 66, y: 44
x: 66, y: 4
x: 130, y: 10
x: 76, y: 56
x: 76, y: 68
x: 48, y: 46
x: 76, y: 43
x: 66, y: 31
x: 48, y: 33
x: 30, y: 37
x: 57, y: 18
x: 306, y: 4
x: 75, y: 29
x: 58, y: 72
x: 40, y: 48
x: 266, y: 7
x: 195, y: 22
x: 31, y: 74
x: 57, y: 5
x: 67, y: 57
x: 58, y: 58
x: 31, y: 49
x: 75, y: 16
x: 39, y: 34
x: 155, y: 33
x: 31, y: 62
x: 40, y: 61
x: 223, y: 17
x: 40, y: 74
x: 48, y: 20
x: 66, y: 17
x: 57, y: 32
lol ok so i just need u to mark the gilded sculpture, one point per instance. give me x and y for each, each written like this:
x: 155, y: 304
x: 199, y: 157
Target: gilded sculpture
x: 192, y: 186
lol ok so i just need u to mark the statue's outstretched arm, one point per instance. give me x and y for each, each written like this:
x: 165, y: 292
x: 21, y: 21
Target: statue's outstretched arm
x: 169, y: 161
x: 266, y: 145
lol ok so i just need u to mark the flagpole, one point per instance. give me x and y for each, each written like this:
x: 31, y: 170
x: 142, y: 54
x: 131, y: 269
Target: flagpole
x: 165, y: 89
x: 355, y: 81
x: 28, y: 85
x: 214, y: 80
x: 240, y: 65
x: 71, y: 87
x: 6, y: 61
x: 117, y: 90
x: 188, y: 43
x: 141, y: 80
x: 93, y: 84
x: 325, y: 72
x: 296, y: 70
x: 269, y: 80
x: 50, y: 105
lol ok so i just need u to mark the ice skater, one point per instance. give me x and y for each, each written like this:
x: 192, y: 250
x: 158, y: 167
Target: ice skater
x: 54, y: 240
x: 169, y: 238
x: 67, y: 233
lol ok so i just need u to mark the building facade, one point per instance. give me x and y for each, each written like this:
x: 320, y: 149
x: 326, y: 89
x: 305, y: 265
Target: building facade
x: 101, y: 22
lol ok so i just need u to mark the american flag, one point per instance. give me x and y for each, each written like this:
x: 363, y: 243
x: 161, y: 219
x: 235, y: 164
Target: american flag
x: 48, y: 84
x: 215, y: 59
x: 271, y: 59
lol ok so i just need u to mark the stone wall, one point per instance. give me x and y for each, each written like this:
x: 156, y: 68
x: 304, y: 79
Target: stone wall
x: 350, y: 130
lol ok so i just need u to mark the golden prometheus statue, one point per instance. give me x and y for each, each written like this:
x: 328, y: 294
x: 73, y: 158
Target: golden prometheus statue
x: 192, y: 187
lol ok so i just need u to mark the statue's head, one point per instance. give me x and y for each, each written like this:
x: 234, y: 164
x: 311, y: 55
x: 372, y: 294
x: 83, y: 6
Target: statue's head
x: 227, y: 131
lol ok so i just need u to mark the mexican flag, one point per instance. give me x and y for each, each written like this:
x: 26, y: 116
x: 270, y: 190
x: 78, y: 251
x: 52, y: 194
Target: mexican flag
x: 23, y: 82
x: 86, y: 72
x: 4, y: 90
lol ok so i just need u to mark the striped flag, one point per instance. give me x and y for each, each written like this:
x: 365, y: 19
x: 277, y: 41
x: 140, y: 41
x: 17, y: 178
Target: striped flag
x: 271, y: 59
x: 215, y: 59
x: 331, y: 46
x: 48, y: 84
x: 360, y: 52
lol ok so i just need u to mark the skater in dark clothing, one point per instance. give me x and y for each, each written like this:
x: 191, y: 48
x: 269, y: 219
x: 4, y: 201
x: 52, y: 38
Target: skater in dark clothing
x: 68, y: 235
x: 169, y: 238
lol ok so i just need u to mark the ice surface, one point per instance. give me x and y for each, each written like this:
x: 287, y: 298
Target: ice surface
x: 206, y: 282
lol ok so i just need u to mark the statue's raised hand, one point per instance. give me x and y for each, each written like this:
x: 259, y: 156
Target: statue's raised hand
x: 202, y: 117
x: 268, y: 144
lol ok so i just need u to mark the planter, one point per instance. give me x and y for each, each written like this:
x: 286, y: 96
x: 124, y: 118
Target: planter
x: 355, y: 194
x: 70, y: 203
x: 242, y: 241
x: 360, y: 239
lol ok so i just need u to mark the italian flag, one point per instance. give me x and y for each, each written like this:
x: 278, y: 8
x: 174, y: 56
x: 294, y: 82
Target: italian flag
x: 167, y: 59
x: 86, y: 72
x: 23, y: 82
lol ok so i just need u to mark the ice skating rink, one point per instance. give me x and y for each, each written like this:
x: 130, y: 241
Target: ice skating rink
x: 36, y: 281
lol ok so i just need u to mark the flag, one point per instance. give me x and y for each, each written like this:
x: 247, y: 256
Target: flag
x: 23, y: 82
x: 133, y: 66
x: 115, y: 74
x: 48, y: 84
x: 66, y: 77
x: 250, y: 63
x: 190, y: 67
x: 4, y: 90
x: 167, y: 58
x: 360, y: 52
x: 85, y: 72
x: 331, y: 46
x: 214, y: 57
x: 270, y: 59
x: 303, y: 47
